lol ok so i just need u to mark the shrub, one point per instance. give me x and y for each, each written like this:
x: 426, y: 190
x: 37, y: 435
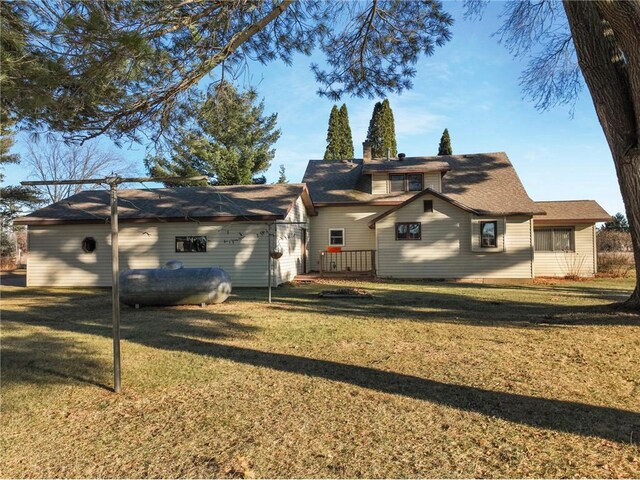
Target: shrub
x: 615, y: 264
x: 613, y: 241
x: 573, y: 266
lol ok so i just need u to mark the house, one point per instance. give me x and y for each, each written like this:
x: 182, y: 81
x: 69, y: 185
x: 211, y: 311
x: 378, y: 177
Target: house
x: 227, y: 226
x: 458, y: 216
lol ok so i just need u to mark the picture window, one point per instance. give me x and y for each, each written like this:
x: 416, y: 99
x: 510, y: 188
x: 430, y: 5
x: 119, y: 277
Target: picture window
x: 408, y: 231
x: 554, y: 240
x: 191, y: 244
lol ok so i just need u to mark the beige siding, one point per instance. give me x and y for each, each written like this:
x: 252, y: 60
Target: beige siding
x: 433, y: 181
x: 354, y: 220
x: 56, y: 258
x: 581, y: 262
x: 445, y: 250
x: 379, y: 183
x: 289, y: 239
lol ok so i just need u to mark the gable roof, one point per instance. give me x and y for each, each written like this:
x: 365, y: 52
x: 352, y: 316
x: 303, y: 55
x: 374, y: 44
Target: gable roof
x: 486, y: 183
x: 435, y: 193
x: 220, y: 204
x: 571, y: 211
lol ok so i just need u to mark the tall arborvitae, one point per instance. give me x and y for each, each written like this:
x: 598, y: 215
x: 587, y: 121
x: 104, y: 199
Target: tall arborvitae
x: 382, y: 131
x: 333, y: 136
x: 445, y: 144
x: 346, y: 139
x: 282, y: 175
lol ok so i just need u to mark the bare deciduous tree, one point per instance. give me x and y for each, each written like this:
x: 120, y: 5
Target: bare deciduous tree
x: 601, y: 40
x: 57, y: 161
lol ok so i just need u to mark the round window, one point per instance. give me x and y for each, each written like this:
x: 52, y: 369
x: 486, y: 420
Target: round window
x: 89, y: 244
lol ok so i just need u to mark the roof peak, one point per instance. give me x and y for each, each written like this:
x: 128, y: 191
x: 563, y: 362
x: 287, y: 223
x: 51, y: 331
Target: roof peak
x: 407, y: 157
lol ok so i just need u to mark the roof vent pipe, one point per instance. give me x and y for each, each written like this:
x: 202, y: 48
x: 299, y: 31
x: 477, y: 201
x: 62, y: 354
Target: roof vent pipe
x: 388, y: 153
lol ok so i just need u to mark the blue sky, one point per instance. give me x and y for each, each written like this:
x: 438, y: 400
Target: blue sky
x: 470, y: 86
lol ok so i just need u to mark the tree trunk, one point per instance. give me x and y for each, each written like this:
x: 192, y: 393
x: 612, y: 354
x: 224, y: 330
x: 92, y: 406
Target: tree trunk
x: 606, y: 35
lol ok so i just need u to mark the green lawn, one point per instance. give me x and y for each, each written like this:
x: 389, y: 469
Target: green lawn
x: 423, y: 379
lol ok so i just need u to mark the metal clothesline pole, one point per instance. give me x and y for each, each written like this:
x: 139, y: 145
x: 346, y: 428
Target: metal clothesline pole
x: 113, y: 183
x: 270, y: 260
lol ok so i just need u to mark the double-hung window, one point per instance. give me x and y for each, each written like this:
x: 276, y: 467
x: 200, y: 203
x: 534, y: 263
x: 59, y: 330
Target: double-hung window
x: 336, y: 237
x: 489, y: 234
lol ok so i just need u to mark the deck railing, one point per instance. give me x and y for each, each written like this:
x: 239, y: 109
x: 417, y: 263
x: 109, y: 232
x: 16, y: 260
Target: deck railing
x: 348, y: 262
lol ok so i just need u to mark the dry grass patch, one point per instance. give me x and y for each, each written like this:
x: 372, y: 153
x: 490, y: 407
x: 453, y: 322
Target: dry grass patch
x: 423, y: 379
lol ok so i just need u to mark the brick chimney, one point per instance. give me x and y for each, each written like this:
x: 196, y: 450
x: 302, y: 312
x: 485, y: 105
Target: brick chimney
x: 366, y: 152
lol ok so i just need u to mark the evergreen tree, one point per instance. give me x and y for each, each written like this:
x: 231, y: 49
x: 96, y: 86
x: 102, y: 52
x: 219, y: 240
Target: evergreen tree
x: 445, y: 144
x: 618, y: 223
x: 373, y: 132
x: 282, y: 178
x: 345, y: 133
x: 382, y: 131
x: 13, y: 198
x: 339, y: 138
x: 333, y: 150
x: 86, y: 67
x: 230, y: 142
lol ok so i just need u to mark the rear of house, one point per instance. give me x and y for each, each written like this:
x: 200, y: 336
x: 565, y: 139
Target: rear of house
x: 443, y: 217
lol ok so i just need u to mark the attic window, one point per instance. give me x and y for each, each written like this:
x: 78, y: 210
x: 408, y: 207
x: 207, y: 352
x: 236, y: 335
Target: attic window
x: 428, y: 205
x: 414, y: 182
x: 89, y: 245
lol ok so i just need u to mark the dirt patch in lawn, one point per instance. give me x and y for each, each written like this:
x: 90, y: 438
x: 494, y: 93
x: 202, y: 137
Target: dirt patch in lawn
x: 345, y: 293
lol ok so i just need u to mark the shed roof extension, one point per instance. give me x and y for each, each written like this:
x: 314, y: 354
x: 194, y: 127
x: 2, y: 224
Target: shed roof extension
x: 219, y: 204
x: 571, y: 211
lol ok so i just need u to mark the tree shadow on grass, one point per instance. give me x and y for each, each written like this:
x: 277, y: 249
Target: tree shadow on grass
x: 198, y: 331
x: 565, y: 416
x: 42, y: 358
x: 454, y: 306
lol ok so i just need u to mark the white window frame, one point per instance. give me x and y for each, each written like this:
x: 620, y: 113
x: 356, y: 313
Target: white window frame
x: 343, y: 237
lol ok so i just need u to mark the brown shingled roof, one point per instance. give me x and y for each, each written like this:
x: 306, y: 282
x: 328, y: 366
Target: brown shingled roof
x: 486, y: 183
x: 407, y: 165
x: 221, y: 203
x: 588, y: 211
